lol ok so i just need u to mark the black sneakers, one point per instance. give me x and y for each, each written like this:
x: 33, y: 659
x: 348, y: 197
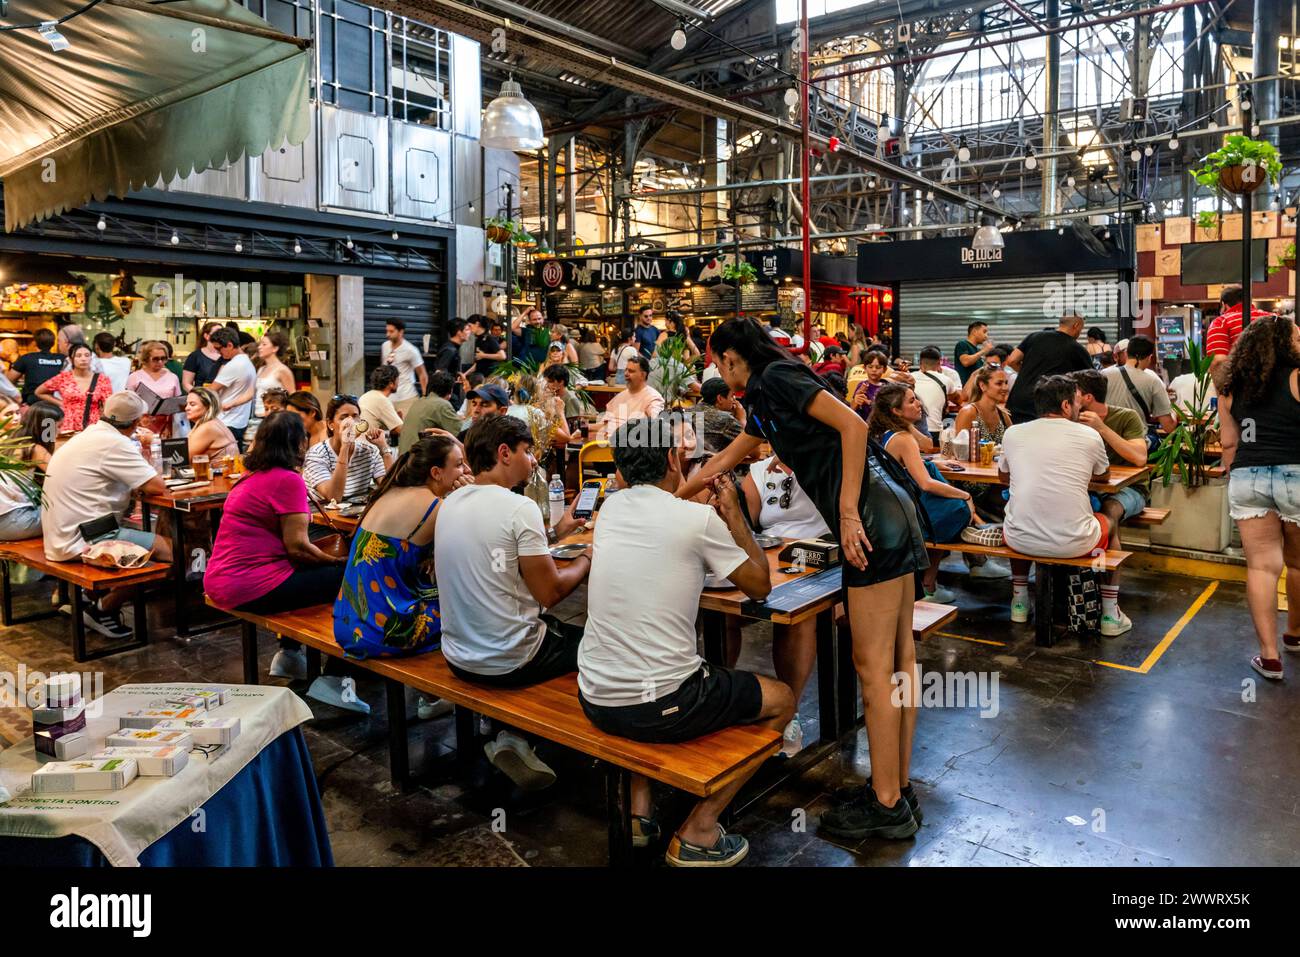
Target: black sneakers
x: 867, y: 817
x: 852, y: 792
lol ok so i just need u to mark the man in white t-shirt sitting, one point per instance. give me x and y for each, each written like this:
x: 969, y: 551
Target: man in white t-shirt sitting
x: 412, y: 376
x: 92, y: 477
x: 1049, y: 462
x: 1135, y: 384
x: 639, y: 400
x: 935, y: 386
x: 639, y: 673
x: 496, y: 575
x: 236, y: 383
x: 377, y: 405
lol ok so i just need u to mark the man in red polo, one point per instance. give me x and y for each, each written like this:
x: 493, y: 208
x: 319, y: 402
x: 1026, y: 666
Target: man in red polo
x: 1226, y: 328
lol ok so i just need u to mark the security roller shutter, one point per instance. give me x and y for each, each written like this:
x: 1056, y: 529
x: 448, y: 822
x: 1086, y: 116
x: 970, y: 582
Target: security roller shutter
x: 937, y: 313
x: 414, y: 304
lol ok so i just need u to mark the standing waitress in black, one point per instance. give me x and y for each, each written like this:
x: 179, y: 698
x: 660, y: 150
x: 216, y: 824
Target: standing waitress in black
x: 825, y: 443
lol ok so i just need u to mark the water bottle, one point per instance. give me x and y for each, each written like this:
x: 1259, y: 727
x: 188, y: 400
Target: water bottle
x: 155, y: 456
x: 556, y: 496
x: 611, y: 486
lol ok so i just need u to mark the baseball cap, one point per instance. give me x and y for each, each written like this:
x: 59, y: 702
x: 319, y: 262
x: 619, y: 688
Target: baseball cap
x: 555, y: 347
x: 1121, y: 346
x: 123, y: 409
x: 492, y: 393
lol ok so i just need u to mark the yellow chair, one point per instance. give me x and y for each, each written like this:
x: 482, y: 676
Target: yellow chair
x: 592, y: 453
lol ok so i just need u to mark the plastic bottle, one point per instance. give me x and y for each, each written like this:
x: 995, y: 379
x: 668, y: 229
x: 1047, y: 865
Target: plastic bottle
x: 611, y: 486
x: 155, y: 456
x: 556, y: 495
x: 975, y: 440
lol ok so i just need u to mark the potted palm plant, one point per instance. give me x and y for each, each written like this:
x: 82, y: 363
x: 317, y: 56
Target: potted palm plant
x: 673, y: 373
x: 1181, y: 481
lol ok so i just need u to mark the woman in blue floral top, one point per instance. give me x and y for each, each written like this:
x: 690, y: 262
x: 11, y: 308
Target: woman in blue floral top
x: 388, y: 603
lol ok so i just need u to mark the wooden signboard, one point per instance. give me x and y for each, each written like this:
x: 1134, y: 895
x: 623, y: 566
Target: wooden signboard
x: 1232, y: 226
x: 1178, y: 231
x: 1263, y: 224
x: 1169, y: 262
x: 1148, y: 238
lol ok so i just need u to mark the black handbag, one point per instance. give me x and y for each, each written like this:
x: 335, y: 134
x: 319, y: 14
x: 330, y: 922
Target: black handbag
x: 898, y: 473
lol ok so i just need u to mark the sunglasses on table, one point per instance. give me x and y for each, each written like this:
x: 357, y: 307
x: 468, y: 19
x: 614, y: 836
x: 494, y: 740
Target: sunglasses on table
x: 787, y: 488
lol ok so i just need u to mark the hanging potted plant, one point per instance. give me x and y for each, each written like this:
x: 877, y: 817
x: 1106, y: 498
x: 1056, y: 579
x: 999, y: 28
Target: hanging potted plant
x: 1239, y: 166
x: 1181, y: 482
x: 1284, y: 261
x: 502, y: 231
x: 741, y: 273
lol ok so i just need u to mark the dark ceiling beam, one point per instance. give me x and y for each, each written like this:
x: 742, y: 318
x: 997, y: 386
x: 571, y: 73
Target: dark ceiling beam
x: 523, y: 14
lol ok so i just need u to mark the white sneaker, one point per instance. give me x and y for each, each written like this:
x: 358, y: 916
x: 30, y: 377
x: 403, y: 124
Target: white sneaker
x: 515, y: 758
x: 991, y: 569
x: 289, y: 664
x: 437, y: 708
x: 338, y: 692
x: 1020, y: 611
x: 792, y: 738
x: 1113, y: 627
x: 953, y: 564
x: 941, y: 595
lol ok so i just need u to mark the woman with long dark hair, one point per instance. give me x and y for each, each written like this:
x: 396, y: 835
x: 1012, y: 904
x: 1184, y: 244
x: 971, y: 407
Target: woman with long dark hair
x: 824, y: 442
x: 20, y: 517
x: 388, y: 603
x: 1259, y: 414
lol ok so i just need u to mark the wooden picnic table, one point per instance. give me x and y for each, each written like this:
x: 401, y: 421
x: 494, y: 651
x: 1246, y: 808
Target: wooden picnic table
x: 1121, y: 476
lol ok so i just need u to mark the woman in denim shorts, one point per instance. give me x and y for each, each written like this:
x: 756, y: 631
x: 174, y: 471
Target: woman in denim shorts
x: 1259, y: 410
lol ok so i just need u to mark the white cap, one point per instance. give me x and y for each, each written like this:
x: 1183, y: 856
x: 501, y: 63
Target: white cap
x: 123, y: 409
x: 1121, y: 346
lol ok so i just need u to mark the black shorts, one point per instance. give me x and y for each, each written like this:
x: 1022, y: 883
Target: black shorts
x: 557, y: 655
x: 711, y: 699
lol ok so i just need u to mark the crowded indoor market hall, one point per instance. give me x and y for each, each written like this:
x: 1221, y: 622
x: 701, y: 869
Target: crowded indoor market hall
x: 649, y: 433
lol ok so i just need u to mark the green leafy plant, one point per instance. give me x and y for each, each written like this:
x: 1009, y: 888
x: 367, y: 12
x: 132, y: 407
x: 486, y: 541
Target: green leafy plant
x: 1238, y: 150
x: 1207, y: 220
x: 673, y: 370
x: 501, y: 230
x: 1286, y: 260
x: 1182, y: 453
x: 13, y: 467
x: 742, y: 273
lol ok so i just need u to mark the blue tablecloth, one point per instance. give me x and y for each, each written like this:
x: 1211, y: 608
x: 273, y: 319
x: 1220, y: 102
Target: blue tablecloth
x: 268, y: 815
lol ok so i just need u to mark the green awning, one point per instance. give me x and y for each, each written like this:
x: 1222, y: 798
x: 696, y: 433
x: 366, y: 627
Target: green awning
x: 144, y: 92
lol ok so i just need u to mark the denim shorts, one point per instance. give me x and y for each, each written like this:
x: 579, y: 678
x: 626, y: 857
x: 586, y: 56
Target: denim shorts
x: 20, y: 523
x: 1131, y: 498
x: 1254, y: 492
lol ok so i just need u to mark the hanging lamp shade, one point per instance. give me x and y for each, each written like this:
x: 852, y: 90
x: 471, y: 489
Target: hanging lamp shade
x: 124, y: 289
x: 987, y: 236
x: 510, y: 121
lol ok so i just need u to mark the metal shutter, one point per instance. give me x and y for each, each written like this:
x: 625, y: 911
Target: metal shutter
x: 937, y: 313
x: 416, y: 305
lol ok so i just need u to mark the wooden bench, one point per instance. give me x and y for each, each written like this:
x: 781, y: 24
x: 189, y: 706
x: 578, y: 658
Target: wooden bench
x: 1048, y: 569
x: 1149, y: 517
x: 78, y: 575
x: 550, y: 710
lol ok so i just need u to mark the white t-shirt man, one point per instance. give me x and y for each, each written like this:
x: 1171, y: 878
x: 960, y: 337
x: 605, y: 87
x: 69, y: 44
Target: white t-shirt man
x: 405, y: 358
x: 1051, y: 462
x: 90, y: 477
x: 491, y: 623
x: 651, y: 552
x: 117, y: 368
x: 1149, y: 385
x: 620, y: 364
x: 237, y: 377
x: 934, y: 395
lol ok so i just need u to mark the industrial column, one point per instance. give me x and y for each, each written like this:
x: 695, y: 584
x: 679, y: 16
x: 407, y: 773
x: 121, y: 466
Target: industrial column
x: 1051, y: 115
x: 1264, y: 99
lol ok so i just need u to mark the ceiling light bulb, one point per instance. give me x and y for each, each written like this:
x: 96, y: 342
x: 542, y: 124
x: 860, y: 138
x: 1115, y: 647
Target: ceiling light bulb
x: 1212, y: 126
x: 176, y: 238
x: 350, y: 244
x: 1031, y: 161
x: 101, y: 224
x: 1149, y: 150
x: 1254, y: 129
x: 678, y: 40
x: 394, y: 234
x: 929, y: 195
x: 791, y: 97
x: 239, y: 246
x: 1245, y: 104
x: 1173, y: 142
x: 297, y: 247
x: 1135, y: 155
x: 996, y: 192
x: 963, y: 152
x: 1069, y: 181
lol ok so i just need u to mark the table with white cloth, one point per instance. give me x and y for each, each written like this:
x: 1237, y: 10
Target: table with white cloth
x: 254, y: 802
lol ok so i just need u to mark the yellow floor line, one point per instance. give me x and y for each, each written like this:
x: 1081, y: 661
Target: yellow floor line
x: 1170, y: 635
x: 982, y: 641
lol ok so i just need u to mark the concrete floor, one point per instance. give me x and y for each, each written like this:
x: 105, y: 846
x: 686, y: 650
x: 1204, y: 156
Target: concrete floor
x: 1181, y: 756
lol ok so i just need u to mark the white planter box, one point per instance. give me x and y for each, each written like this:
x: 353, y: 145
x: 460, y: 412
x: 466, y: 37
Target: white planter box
x: 1198, y: 518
